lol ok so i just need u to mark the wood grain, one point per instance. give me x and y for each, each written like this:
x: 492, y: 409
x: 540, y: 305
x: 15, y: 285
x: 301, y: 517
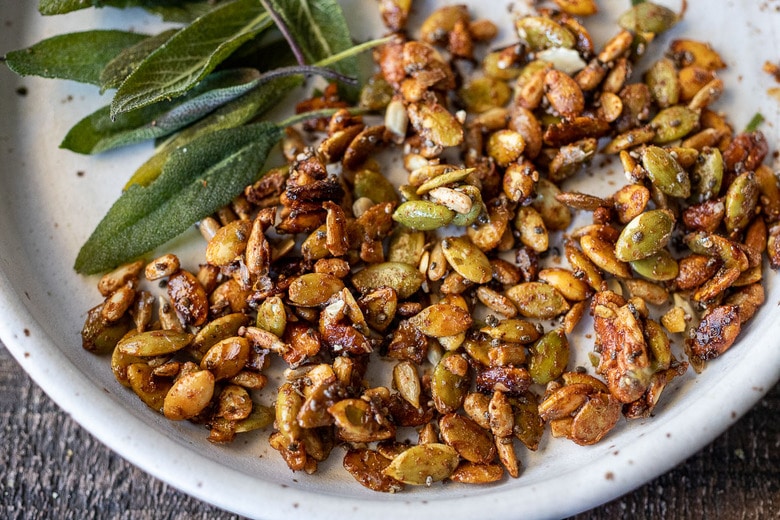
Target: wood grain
x: 52, y: 468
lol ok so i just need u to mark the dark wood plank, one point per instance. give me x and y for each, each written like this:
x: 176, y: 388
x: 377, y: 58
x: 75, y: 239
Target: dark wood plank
x: 52, y: 468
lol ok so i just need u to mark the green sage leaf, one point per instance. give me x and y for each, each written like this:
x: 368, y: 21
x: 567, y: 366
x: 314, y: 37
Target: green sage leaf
x: 187, y: 57
x: 78, y: 56
x: 320, y: 31
x: 123, y: 64
x: 98, y: 132
x: 231, y: 115
x: 187, y: 12
x: 52, y: 7
x: 196, y: 181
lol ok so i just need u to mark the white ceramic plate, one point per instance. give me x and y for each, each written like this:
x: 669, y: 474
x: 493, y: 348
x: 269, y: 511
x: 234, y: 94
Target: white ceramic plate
x: 51, y: 199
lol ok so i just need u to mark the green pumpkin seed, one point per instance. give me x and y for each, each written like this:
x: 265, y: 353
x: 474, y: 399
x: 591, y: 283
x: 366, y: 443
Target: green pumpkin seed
x: 272, y: 316
x: 404, y: 278
x: 555, y: 215
x: 647, y: 17
x: 513, y: 331
x: 375, y: 186
x: 423, y: 464
x: 543, y: 33
x: 645, y: 235
x: 215, y: 331
x: 659, y: 345
x: 406, y: 246
x: 315, y: 245
x: 663, y: 82
x: 659, y: 267
x: 741, y: 201
x: 707, y: 175
x: 674, y: 123
x: 477, y: 207
x: 441, y: 319
x: 313, y: 289
x: 261, y: 417
x: 423, y: 215
x: 150, y: 389
x: 99, y: 336
x: 481, y: 94
x: 444, y: 179
x: 467, y: 259
x: 529, y: 427
x: 538, y: 300
x: 665, y: 172
x: 711, y: 244
x: 549, y: 357
x: 154, y: 343
x: 449, y: 389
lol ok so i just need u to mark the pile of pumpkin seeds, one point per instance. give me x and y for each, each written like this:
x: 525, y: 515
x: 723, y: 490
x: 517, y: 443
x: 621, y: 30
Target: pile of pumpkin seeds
x: 323, y: 264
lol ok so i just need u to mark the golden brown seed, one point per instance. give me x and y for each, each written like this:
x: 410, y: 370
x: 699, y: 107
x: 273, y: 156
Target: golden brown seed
x: 423, y: 464
x: 563, y: 93
x: 188, y: 297
x: 470, y: 473
x: 161, y: 267
x: 505, y: 146
x: 152, y: 390
x: 407, y: 382
x: 496, y: 301
x: 537, y: 300
x: 716, y: 333
x: 189, y: 395
x: 228, y: 243
x: 690, y: 52
x: 564, y: 401
x: 533, y: 232
x: 118, y: 303
x: 467, y: 259
x: 674, y: 320
x: 368, y: 466
x: 596, y: 418
x: 602, y: 253
x: 470, y: 441
x: 227, y: 357
x: 122, y: 275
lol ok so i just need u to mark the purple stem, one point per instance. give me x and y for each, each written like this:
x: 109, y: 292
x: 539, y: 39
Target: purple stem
x: 285, y: 32
x: 308, y: 69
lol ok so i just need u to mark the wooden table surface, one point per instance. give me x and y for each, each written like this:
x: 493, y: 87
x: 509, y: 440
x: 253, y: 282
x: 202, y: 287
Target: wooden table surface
x: 50, y: 467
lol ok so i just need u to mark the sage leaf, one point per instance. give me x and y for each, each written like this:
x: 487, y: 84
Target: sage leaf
x: 320, y: 31
x: 78, y: 56
x: 98, y: 132
x: 191, y: 54
x: 184, y: 13
x: 231, y: 115
x: 119, y: 68
x: 197, y: 180
x: 52, y: 7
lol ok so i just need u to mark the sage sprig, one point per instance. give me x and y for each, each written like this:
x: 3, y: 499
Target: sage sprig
x: 201, y: 87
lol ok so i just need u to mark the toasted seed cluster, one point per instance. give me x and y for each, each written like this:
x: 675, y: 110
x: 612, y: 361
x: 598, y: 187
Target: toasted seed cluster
x: 324, y: 265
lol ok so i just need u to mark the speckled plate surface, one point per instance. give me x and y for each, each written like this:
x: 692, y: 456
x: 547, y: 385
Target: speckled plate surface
x: 51, y: 199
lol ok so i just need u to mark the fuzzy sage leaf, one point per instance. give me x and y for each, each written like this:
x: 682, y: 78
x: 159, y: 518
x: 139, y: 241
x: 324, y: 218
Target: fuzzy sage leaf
x: 231, y: 115
x: 196, y: 181
x: 78, y: 56
x: 187, y: 57
x: 173, y: 7
x: 124, y: 63
x: 98, y: 132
